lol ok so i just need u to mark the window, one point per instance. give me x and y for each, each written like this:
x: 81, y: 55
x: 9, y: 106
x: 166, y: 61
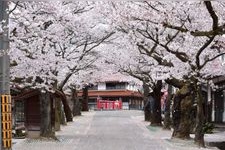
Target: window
x: 19, y: 109
x: 110, y: 86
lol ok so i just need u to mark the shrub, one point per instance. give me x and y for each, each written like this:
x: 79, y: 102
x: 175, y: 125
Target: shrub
x: 208, y: 127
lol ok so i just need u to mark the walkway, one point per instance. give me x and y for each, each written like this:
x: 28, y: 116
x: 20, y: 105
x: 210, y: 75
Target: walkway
x: 107, y: 130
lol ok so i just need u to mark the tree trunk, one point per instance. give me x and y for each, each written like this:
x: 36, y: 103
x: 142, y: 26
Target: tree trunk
x: 57, y: 114
x: 199, y: 134
x: 185, y: 120
x: 182, y: 112
x: 85, y: 99
x: 156, y: 119
x: 46, y: 127
x: 167, y: 119
x: 62, y: 116
x: 176, y: 114
x: 147, y: 112
x: 67, y: 110
x: 66, y: 107
x: 76, y: 103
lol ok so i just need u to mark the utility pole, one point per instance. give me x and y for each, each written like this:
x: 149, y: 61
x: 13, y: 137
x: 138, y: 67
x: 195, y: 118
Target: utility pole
x: 5, y: 99
x: 4, y: 47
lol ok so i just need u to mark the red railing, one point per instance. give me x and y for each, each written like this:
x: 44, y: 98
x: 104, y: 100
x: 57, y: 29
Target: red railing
x: 109, y: 105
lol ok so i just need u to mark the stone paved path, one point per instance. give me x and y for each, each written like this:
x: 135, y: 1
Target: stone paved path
x: 106, y: 130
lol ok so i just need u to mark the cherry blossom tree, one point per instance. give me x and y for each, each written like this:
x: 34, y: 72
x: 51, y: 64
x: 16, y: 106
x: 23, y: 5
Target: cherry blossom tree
x: 178, y: 42
x: 51, y: 38
x: 53, y: 41
x: 185, y: 46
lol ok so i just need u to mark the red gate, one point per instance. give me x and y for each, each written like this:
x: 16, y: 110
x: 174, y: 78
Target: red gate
x: 109, y: 105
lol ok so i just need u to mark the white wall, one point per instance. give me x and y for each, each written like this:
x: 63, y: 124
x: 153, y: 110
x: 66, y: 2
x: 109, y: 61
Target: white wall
x: 127, y: 86
x: 132, y: 87
x: 101, y: 86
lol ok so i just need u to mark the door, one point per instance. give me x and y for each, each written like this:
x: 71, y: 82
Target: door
x: 219, y: 106
x: 33, y: 113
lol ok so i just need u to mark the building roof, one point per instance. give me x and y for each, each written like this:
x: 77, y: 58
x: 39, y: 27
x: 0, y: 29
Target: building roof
x: 118, y: 77
x: 34, y: 92
x: 112, y: 93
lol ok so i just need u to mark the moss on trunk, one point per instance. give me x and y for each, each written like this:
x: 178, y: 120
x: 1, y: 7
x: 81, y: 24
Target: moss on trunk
x: 182, y: 112
x: 185, y: 120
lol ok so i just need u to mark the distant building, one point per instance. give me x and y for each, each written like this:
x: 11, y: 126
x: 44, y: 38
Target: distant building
x: 218, y: 100
x: 216, y: 97
x: 113, y: 90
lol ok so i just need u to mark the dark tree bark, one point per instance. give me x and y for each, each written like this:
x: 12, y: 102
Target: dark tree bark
x: 76, y: 103
x: 67, y: 110
x: 182, y: 112
x: 57, y: 108
x: 167, y: 119
x: 156, y: 119
x: 57, y: 114
x: 62, y: 117
x: 46, y: 129
x: 176, y: 112
x: 185, y: 122
x: 199, y: 134
x: 147, y: 112
x: 85, y: 99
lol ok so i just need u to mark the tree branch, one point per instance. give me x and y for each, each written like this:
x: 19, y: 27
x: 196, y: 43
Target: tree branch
x: 202, y: 49
x: 182, y: 56
x: 17, y: 3
x: 212, y: 14
x: 216, y: 29
x: 219, y: 31
x: 85, y: 52
x: 211, y: 59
